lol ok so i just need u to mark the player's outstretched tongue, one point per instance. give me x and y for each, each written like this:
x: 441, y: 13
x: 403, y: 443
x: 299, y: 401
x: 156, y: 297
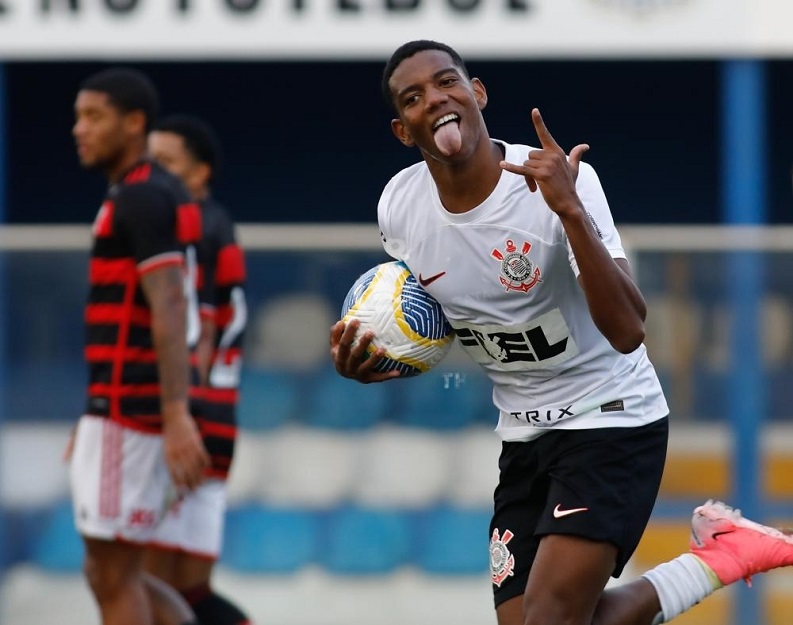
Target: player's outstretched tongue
x: 448, y: 138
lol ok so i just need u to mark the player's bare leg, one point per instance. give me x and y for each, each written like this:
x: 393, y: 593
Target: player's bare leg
x: 566, y: 586
x: 124, y: 593
x: 113, y: 571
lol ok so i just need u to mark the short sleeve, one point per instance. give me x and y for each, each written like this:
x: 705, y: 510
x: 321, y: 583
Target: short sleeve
x: 230, y: 271
x: 147, y: 218
x: 384, y: 220
x: 594, y: 200
x: 223, y: 260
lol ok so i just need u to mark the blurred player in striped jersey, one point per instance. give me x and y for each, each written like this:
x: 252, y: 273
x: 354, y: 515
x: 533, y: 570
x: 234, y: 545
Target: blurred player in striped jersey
x: 187, y: 148
x: 137, y: 444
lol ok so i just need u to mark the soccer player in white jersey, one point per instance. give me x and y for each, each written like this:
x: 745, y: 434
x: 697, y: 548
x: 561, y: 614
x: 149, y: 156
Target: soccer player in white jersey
x: 518, y: 245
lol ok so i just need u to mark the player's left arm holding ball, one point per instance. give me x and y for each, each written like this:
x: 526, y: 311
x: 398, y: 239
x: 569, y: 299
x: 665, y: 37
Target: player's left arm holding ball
x: 615, y: 302
x: 350, y: 347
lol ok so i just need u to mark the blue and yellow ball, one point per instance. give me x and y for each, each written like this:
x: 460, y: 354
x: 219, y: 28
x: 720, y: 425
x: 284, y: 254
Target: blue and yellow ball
x: 406, y: 320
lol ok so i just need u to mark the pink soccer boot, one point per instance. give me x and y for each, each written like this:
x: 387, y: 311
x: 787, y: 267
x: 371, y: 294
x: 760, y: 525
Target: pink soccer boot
x: 736, y: 548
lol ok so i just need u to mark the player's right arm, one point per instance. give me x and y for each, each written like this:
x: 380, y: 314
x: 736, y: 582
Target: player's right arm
x: 353, y: 361
x: 182, y: 445
x: 615, y: 302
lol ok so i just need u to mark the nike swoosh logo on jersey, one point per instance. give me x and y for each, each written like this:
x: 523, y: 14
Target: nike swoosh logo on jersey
x: 558, y: 513
x: 427, y: 281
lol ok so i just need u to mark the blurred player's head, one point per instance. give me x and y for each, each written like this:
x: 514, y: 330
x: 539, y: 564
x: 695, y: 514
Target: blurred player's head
x: 114, y: 110
x: 188, y: 148
x: 406, y: 51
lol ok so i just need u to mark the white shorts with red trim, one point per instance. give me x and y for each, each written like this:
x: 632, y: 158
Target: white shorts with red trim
x: 120, y: 484
x: 121, y: 489
x: 194, y: 524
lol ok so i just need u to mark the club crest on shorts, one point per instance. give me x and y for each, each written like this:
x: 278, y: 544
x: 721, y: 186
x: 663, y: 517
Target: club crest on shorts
x: 518, y: 272
x: 502, y: 562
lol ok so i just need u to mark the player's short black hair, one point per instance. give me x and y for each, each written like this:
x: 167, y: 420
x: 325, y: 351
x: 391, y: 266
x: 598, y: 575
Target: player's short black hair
x: 407, y: 50
x: 199, y: 138
x: 128, y: 90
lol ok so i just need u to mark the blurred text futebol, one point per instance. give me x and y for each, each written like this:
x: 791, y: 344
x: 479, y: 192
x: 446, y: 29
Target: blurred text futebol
x: 123, y: 7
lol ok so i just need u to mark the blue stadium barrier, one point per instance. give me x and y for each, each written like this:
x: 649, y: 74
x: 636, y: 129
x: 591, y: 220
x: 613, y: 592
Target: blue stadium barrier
x: 258, y: 539
x: 442, y: 400
x: 365, y: 541
x: 59, y: 547
x: 335, y: 402
x: 21, y: 531
x: 268, y: 398
x: 780, y: 392
x: 452, y: 541
x: 710, y: 393
x: 65, y: 388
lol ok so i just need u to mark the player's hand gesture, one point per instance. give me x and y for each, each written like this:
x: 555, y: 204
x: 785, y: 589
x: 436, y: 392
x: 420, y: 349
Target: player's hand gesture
x: 550, y: 170
x: 351, y: 359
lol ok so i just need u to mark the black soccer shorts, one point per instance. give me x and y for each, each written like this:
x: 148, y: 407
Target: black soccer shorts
x: 599, y: 484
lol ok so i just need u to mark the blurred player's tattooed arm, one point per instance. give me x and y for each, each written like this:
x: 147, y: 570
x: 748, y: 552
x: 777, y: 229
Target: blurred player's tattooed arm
x: 164, y: 290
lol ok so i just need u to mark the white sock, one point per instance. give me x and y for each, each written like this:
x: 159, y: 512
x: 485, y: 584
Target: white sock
x: 681, y: 584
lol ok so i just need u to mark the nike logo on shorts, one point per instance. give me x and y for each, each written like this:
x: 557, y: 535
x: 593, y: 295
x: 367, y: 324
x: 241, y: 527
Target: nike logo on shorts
x: 427, y: 281
x: 558, y: 513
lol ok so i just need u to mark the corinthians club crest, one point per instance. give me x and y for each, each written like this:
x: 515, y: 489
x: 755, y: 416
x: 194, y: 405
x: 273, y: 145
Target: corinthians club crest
x: 518, y: 272
x: 502, y: 562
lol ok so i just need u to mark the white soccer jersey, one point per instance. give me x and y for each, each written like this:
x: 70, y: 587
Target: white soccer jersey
x: 506, y: 277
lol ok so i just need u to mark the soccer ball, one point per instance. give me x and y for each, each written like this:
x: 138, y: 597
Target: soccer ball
x: 406, y: 320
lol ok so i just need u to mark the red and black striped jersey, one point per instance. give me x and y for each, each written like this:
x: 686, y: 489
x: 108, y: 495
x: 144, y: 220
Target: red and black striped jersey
x: 222, y: 299
x: 146, y: 221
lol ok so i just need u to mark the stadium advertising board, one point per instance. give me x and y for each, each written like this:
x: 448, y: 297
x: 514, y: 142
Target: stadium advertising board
x: 265, y: 29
